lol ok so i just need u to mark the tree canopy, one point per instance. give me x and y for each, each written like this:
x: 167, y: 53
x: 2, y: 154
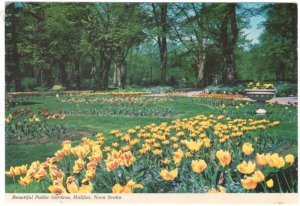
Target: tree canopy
x: 115, y: 45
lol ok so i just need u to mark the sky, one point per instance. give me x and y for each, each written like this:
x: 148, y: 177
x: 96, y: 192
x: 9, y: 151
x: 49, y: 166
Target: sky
x: 253, y: 32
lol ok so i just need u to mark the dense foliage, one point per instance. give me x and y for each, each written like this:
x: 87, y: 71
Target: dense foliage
x: 102, y: 45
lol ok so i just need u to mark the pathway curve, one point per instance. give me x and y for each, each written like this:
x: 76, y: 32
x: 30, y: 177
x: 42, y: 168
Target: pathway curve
x: 279, y: 100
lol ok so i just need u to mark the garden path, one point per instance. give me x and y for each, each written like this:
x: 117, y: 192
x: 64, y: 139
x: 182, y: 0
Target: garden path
x: 279, y: 100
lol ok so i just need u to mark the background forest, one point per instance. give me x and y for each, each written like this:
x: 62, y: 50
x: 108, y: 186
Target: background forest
x: 98, y: 46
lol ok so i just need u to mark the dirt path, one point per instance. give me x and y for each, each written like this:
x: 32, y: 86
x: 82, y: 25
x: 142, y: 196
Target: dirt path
x: 279, y: 100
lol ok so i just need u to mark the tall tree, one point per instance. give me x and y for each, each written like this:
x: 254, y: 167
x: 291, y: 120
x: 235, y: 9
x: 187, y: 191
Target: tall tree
x: 279, y: 40
x: 114, y: 28
x: 228, y: 39
x: 12, y: 23
x: 189, y: 26
x: 160, y: 17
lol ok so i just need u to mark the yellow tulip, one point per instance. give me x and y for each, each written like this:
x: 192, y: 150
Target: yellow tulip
x: 249, y: 183
x: 246, y: 168
x: 107, y: 149
x: 157, y: 152
x: 56, y: 175
x: 80, y: 151
x: 261, y: 159
x: 258, y: 176
x: 198, y: 166
x: 40, y: 174
x: 96, y: 156
x: 275, y: 161
x: 25, y: 181
x: 114, y: 155
x: 247, y: 148
x: 86, y: 187
x: 112, y: 164
x: 57, y: 188
x: 188, y: 154
x: 169, y: 175
x: 16, y: 171
x: 175, y: 146
x: 115, y: 144
x: 270, y: 183
x: 224, y: 157
x: 165, y: 161
x: 221, y: 189
x: 127, y: 159
x: 289, y: 159
x: 177, y: 156
x: 207, y: 143
x: 90, y: 174
x: 194, y: 146
x: 78, y: 165
x: 133, y: 184
x: 117, y: 188
x: 71, y: 185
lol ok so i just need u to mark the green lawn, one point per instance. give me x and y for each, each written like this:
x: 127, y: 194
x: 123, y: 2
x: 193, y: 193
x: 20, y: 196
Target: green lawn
x: 181, y: 107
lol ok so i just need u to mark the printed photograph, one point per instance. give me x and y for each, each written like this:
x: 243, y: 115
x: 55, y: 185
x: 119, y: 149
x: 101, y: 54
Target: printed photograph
x: 162, y: 97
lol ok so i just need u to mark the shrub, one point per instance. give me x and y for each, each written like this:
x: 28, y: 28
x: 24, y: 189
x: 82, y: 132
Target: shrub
x: 286, y: 89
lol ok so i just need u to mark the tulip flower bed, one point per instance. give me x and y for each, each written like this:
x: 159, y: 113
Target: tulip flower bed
x: 117, y: 104
x: 221, y: 96
x: 151, y: 145
x: 213, y: 153
x: 23, y: 125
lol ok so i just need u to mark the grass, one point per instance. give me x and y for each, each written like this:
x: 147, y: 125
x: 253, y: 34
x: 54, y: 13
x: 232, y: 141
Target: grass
x: 183, y: 107
x: 25, y: 154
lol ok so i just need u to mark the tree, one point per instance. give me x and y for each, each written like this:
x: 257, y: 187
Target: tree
x: 12, y: 23
x: 279, y: 40
x: 53, y: 40
x: 189, y: 26
x: 114, y: 28
x: 228, y: 39
x: 129, y: 32
x: 160, y: 19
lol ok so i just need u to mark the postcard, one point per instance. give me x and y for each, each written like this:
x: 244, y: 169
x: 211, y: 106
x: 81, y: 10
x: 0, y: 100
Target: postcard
x: 151, y: 102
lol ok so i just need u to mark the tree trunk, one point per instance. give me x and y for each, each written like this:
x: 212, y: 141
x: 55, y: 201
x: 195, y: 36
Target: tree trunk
x: 77, y: 73
x: 115, y: 77
x: 42, y: 78
x: 230, y: 72
x: 93, y: 70
x: 163, y: 45
x: 16, y: 57
x: 163, y: 62
x: 49, y: 78
x: 106, y: 70
x: 103, y: 73
x: 228, y: 38
x: 162, y: 25
x: 37, y: 76
x: 63, y: 74
x: 200, y: 69
x: 200, y: 59
x: 121, y: 74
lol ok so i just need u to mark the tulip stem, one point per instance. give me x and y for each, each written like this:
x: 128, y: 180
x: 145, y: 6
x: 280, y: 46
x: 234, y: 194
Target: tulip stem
x: 278, y: 181
x: 264, y: 186
x: 290, y: 170
x: 286, y: 181
x: 41, y: 188
x: 15, y: 184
